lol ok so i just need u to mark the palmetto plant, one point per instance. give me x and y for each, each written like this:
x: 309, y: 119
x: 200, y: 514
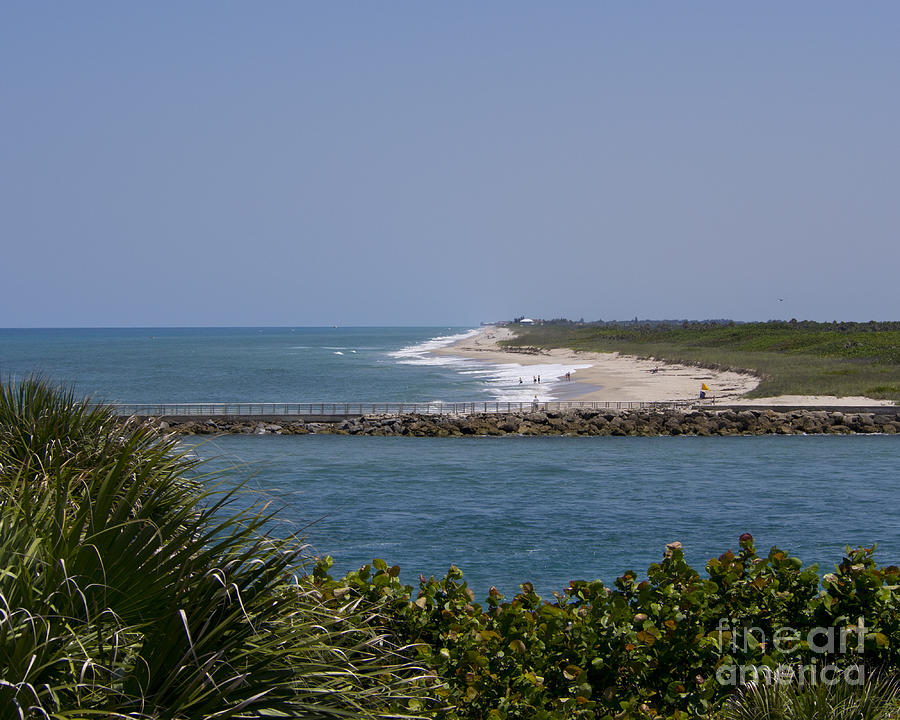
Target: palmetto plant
x: 875, y: 699
x: 129, y: 588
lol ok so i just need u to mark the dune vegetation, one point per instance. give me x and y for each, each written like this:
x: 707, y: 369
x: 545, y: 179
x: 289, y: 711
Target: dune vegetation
x: 791, y: 358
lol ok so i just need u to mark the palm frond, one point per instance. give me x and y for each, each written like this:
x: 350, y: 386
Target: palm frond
x: 132, y: 587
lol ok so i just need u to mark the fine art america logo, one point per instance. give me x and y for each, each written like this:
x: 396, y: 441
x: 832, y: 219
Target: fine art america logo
x: 826, y: 644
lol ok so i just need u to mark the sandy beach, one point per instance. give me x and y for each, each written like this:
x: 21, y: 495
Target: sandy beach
x: 615, y: 377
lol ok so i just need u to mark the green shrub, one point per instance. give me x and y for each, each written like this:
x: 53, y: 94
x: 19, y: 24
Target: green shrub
x: 674, y: 644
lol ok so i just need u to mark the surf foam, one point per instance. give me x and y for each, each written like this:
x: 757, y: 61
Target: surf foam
x: 499, y: 380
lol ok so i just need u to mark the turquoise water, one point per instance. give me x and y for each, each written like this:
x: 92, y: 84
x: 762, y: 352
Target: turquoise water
x: 506, y: 510
x: 553, y: 509
x: 158, y: 365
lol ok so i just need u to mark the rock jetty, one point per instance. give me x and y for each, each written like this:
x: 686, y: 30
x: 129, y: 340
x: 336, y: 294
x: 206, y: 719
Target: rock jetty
x: 644, y: 422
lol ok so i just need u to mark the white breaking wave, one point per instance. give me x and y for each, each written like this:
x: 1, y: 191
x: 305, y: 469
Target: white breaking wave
x: 500, y: 380
x: 419, y: 354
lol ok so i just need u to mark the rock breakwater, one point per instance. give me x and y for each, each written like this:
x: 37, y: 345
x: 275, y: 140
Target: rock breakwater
x: 645, y: 422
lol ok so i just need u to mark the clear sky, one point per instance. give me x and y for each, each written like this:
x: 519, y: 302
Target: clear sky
x: 438, y: 163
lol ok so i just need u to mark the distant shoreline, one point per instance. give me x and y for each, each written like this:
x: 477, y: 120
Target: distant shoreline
x: 616, y: 377
x: 610, y: 376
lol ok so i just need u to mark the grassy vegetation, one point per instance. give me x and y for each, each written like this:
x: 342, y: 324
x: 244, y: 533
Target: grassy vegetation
x: 803, y: 358
x: 876, y: 699
x: 129, y: 589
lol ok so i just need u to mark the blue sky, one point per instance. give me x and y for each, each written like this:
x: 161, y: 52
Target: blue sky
x: 409, y: 163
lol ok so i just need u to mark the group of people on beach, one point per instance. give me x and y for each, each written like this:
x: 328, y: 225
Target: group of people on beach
x: 536, y: 379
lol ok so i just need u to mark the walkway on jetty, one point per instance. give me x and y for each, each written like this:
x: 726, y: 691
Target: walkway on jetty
x: 336, y: 412
x: 320, y: 411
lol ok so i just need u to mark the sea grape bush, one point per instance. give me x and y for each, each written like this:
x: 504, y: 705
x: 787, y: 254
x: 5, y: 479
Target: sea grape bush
x: 674, y: 644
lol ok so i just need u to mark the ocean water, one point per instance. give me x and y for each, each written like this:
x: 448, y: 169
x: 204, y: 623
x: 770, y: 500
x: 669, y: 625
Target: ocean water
x: 157, y: 365
x: 505, y: 510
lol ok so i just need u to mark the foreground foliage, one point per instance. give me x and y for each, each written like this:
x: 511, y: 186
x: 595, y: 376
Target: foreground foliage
x: 804, y: 358
x: 129, y: 589
x: 876, y: 699
x: 675, y: 644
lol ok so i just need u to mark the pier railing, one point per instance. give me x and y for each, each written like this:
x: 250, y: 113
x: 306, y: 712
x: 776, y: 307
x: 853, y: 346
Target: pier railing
x: 377, y: 408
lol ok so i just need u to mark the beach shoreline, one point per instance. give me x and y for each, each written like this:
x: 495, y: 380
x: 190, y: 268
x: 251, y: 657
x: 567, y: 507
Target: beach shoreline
x: 599, y: 376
